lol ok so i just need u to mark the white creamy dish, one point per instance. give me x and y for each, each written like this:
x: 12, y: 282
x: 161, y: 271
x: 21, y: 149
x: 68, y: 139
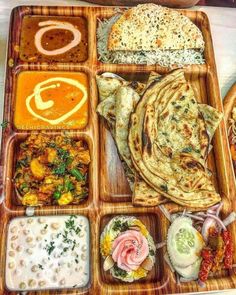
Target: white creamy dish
x: 47, y: 252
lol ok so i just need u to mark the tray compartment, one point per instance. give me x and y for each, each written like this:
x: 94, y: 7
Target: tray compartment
x: 199, y: 18
x: 13, y: 80
x: 18, y: 14
x: 11, y: 200
x: 115, y: 191
x: 213, y: 280
x: 4, y: 231
x: 157, y: 227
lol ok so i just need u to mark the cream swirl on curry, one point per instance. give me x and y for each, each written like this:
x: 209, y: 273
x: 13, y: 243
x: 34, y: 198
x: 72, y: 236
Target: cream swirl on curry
x: 55, y: 100
x: 52, y: 25
x: 41, y: 105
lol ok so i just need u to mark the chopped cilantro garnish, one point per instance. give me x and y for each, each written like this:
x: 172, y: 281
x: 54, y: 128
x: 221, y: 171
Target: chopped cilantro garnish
x: 164, y: 188
x: 60, y: 169
x: 152, y: 253
x: 4, y: 124
x: 70, y: 225
x: 178, y: 107
x: 50, y: 247
x: 119, y: 272
x: 188, y: 149
x: 63, y: 154
x: 120, y: 226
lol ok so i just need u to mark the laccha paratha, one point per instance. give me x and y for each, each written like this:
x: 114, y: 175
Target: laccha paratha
x: 176, y: 168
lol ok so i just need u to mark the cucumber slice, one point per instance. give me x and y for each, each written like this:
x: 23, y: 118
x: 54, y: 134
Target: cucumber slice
x: 191, y: 271
x: 184, y: 242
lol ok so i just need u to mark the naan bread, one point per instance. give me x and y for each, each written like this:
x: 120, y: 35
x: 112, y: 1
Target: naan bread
x: 149, y: 27
x: 168, y: 142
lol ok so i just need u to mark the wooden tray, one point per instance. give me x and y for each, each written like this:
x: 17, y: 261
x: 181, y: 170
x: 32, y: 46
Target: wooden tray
x: 109, y: 194
x: 229, y: 104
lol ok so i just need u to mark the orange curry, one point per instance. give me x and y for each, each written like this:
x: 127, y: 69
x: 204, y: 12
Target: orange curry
x: 51, y: 100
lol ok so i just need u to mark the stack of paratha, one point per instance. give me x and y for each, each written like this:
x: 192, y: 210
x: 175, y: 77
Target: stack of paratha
x: 163, y: 137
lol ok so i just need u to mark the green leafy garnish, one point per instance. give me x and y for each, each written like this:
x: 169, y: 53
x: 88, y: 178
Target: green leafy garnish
x: 120, y: 226
x: 63, y: 154
x: 56, y: 195
x: 60, y: 169
x: 188, y: 149
x: 152, y: 253
x: 70, y: 225
x: 119, y: 272
x: 178, y: 107
x: 50, y: 247
x: 4, y: 124
x: 23, y: 162
x: 173, y: 118
x: 51, y: 144
x: 164, y: 188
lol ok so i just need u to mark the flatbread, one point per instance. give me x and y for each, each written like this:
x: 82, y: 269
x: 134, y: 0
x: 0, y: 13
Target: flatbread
x: 150, y: 27
x: 168, y: 142
x: 212, y: 118
x: 118, y: 100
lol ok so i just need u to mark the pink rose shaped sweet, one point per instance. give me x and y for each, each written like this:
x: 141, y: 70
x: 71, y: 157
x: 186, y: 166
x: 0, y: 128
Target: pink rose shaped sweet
x: 129, y: 250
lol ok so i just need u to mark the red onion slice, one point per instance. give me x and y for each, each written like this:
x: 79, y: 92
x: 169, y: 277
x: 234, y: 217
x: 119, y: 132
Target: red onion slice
x: 165, y: 212
x: 167, y: 260
x: 229, y: 219
x: 201, y: 284
x: 160, y: 245
x: 218, y: 220
x: 194, y: 216
x: 208, y: 223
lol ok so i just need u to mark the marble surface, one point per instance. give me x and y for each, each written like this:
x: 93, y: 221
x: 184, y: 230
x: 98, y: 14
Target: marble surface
x: 223, y: 26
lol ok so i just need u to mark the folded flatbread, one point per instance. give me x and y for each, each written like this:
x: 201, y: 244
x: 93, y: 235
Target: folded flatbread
x: 169, y: 142
x: 117, y: 103
x: 150, y: 27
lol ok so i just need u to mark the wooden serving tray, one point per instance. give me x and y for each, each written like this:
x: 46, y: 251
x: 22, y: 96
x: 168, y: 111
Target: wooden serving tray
x: 109, y: 194
x: 229, y: 102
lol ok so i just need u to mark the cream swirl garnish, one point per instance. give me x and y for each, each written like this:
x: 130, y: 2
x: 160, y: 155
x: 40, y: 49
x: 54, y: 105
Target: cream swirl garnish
x: 43, y: 105
x: 52, y: 25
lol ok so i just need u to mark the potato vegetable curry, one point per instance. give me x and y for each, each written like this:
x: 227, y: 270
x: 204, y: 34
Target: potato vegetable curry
x: 52, y: 170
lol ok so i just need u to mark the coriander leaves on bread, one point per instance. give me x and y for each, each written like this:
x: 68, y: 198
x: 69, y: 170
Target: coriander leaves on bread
x: 163, y: 138
x: 168, y: 142
x: 150, y: 34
